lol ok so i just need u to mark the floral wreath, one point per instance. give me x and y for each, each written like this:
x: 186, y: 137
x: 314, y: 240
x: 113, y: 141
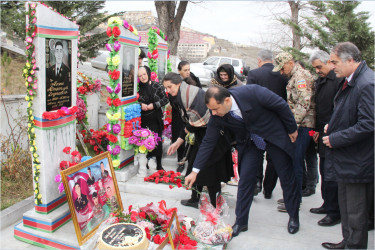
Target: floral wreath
x: 152, y: 57
x: 31, y: 82
x: 114, y: 87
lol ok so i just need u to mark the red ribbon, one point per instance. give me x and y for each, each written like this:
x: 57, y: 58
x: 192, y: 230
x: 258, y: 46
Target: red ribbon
x: 163, y: 209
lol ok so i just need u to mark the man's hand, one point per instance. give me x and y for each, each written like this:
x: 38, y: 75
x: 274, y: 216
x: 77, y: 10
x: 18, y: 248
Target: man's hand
x: 325, y: 128
x: 190, y: 179
x: 293, y: 136
x: 315, y: 137
x: 326, y: 141
x: 173, y: 148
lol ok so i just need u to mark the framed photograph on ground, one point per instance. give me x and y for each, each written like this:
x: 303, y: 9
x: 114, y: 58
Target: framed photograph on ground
x: 174, y: 231
x: 92, y: 193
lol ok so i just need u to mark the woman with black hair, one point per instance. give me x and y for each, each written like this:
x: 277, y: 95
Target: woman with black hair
x: 152, y: 98
x: 226, y: 77
x: 195, y: 115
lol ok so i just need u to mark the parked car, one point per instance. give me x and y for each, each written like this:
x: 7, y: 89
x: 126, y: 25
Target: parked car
x: 214, y: 62
x: 204, y: 75
x: 100, y: 62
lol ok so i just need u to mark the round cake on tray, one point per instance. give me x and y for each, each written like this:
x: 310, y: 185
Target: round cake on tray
x: 123, y: 236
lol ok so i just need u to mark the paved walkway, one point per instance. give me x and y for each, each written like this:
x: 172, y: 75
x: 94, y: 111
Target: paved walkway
x: 267, y: 226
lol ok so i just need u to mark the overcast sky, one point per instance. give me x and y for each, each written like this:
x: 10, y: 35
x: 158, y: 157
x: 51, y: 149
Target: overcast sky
x: 247, y: 22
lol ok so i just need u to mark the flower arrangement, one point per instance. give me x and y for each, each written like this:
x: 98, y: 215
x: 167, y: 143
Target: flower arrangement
x: 144, y: 140
x: 64, y: 111
x: 101, y: 137
x: 167, y: 131
x: 31, y: 82
x: 75, y: 159
x: 155, y: 220
x: 170, y: 177
x: 114, y: 87
x: 131, y: 120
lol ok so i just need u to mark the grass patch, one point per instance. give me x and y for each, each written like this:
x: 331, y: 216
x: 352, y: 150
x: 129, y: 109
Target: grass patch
x: 16, y: 178
x: 12, y: 81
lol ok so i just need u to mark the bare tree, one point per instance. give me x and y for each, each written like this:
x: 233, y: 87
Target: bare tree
x: 170, y: 18
x: 294, y: 9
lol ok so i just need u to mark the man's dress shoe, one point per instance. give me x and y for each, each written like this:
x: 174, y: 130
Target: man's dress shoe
x: 318, y: 210
x: 267, y: 195
x: 328, y: 245
x: 307, y: 192
x: 328, y: 221
x: 293, y: 225
x: 190, y: 203
x: 237, y: 229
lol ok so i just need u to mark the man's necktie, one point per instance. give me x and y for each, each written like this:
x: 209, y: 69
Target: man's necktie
x: 57, y: 71
x: 258, y: 141
x: 345, y: 84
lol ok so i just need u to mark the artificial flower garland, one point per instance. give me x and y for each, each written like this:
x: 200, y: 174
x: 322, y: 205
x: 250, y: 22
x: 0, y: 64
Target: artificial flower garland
x: 31, y: 85
x: 64, y: 111
x: 114, y: 87
x: 154, y: 54
x: 131, y: 29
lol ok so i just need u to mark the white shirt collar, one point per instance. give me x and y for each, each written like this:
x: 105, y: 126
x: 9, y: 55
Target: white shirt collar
x: 235, y: 107
x: 349, y: 78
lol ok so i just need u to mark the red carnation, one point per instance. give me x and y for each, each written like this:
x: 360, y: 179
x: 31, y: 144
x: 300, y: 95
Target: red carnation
x: 311, y: 133
x: 117, y: 102
x: 131, y: 28
x: 142, y: 215
x: 171, y: 186
x: 109, y: 101
x: 148, y: 235
x: 116, y: 31
x: 66, y: 150
x: 112, y: 138
x: 115, y: 74
x: 82, y: 90
x: 109, y: 31
x: 155, y: 52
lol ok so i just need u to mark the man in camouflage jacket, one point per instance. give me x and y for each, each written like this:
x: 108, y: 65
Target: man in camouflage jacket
x: 300, y: 97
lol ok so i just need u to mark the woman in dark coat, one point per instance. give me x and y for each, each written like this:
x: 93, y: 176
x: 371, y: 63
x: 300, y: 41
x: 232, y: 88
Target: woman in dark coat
x: 177, y: 124
x: 226, y: 77
x: 152, y: 98
x: 195, y: 115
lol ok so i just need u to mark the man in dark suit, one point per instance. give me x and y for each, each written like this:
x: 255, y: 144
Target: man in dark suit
x: 350, y: 141
x: 260, y: 120
x: 275, y: 82
x: 326, y: 87
x: 59, y: 72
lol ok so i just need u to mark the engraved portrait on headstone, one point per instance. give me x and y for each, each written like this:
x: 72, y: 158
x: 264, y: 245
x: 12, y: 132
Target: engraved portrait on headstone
x: 58, y: 74
x: 162, y: 63
x: 128, y: 70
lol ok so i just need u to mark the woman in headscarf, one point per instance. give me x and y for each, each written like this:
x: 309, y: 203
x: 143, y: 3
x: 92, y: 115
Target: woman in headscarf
x: 226, y: 77
x: 152, y: 98
x: 177, y: 124
x: 195, y: 115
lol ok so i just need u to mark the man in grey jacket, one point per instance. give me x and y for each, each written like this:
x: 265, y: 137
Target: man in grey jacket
x: 350, y: 142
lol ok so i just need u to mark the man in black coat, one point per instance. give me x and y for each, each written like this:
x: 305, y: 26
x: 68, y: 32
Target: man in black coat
x: 275, y: 82
x: 350, y: 142
x: 326, y: 87
x: 260, y: 120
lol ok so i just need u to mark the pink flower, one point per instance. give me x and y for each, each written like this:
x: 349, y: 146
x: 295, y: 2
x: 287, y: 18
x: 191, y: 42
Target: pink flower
x: 61, y: 187
x: 116, y: 150
x: 149, y: 143
x: 116, y: 128
x: 154, y: 76
x: 58, y: 178
x: 109, y: 129
x: 29, y: 39
x: 108, y: 47
x: 117, y: 46
x: 126, y: 24
x: 137, y: 133
x: 29, y: 79
x: 30, y: 92
x: 145, y: 133
x: 118, y: 88
x: 109, y: 89
x: 35, y: 86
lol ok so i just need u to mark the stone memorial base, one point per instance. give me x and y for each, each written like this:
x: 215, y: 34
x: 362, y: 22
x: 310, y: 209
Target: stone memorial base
x: 64, y: 238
